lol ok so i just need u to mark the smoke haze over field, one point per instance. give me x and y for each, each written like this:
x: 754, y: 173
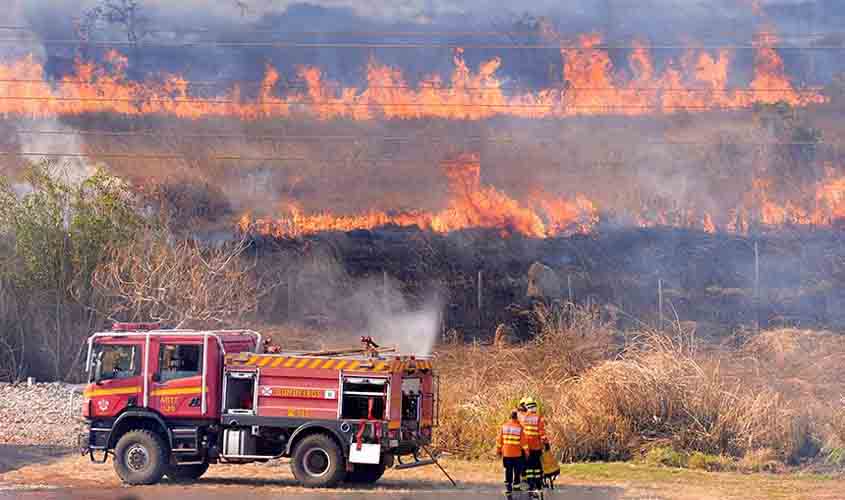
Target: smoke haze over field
x: 619, y: 114
x: 659, y: 22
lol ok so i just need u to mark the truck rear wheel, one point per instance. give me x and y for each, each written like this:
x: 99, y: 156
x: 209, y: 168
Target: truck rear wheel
x: 139, y: 457
x: 365, y: 473
x: 318, y: 462
x: 186, y: 472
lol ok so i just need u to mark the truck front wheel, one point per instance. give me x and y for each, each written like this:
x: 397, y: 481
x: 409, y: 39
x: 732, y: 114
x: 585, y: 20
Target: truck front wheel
x: 318, y: 462
x: 139, y: 457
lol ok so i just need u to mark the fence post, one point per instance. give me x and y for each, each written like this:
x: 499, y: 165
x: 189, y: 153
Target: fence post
x: 291, y: 293
x: 660, y: 303
x: 385, y: 302
x: 757, y: 285
x: 479, y: 299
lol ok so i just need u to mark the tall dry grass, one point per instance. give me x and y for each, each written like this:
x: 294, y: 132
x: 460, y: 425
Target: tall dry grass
x: 481, y: 384
x: 607, y: 399
x: 662, y: 392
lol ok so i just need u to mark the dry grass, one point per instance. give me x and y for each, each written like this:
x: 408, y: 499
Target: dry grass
x: 662, y: 392
x: 481, y: 384
x: 604, y: 402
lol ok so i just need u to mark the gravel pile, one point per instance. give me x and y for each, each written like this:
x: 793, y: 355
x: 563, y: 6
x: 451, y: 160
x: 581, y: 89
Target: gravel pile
x: 40, y: 414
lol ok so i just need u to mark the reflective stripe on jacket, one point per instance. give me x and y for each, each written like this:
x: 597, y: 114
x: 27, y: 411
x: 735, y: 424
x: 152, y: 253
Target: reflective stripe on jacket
x: 535, y: 430
x: 511, y: 440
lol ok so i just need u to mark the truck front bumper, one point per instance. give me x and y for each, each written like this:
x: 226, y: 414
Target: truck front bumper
x: 96, y: 439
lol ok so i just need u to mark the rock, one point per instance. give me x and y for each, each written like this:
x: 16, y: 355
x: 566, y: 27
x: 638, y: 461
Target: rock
x: 454, y: 337
x: 41, y: 414
x: 504, y: 336
x: 543, y: 283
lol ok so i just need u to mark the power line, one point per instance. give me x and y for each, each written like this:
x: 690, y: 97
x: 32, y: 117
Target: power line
x: 138, y: 156
x: 141, y: 100
x: 421, y: 87
x: 478, y: 139
x: 420, y: 34
x: 407, y: 45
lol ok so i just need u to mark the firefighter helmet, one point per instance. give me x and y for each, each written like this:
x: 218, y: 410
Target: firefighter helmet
x: 529, y: 402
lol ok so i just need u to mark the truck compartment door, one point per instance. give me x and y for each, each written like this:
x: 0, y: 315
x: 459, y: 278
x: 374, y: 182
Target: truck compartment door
x: 240, y: 393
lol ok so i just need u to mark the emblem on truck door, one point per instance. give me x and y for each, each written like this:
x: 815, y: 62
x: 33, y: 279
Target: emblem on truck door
x: 103, y: 404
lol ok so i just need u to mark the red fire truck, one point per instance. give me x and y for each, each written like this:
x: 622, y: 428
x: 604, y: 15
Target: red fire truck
x: 171, y: 402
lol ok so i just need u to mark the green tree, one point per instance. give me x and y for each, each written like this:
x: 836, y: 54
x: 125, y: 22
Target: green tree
x: 58, y: 231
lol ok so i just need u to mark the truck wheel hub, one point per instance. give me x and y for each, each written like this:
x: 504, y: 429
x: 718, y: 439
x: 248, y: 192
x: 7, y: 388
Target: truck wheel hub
x: 137, y: 457
x: 316, y: 462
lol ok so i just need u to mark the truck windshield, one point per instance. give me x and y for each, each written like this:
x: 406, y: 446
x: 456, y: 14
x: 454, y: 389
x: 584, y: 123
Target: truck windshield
x: 119, y: 361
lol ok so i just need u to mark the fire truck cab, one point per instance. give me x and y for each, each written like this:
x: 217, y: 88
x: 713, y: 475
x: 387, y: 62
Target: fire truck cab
x: 171, y: 402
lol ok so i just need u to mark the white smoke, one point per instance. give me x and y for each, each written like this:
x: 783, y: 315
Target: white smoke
x: 235, y: 12
x: 64, y: 148
x: 16, y: 27
x: 393, y: 322
x: 368, y: 307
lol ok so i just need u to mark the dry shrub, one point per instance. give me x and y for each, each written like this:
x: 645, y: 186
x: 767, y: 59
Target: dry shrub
x: 601, y: 403
x: 180, y: 283
x: 835, y: 425
x: 661, y: 392
x: 805, y: 367
x: 481, y: 384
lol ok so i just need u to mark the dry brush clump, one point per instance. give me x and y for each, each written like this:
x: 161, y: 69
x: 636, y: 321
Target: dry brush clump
x: 481, y: 384
x: 609, y: 400
x: 805, y: 366
x: 182, y: 283
x: 664, y: 393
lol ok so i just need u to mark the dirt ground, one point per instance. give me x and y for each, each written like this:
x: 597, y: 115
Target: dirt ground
x: 44, y: 473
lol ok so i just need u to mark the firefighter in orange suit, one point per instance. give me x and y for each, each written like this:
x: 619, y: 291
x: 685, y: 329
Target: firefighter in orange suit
x: 535, y: 434
x: 512, y: 446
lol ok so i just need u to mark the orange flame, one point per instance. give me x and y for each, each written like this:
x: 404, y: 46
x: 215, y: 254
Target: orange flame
x: 474, y: 205
x: 471, y: 205
x: 592, y: 86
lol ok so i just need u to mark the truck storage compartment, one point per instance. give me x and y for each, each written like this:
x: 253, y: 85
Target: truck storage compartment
x: 364, y: 398
x: 240, y: 397
x: 411, y: 399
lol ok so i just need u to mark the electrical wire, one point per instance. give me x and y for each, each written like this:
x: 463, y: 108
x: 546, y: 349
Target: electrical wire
x: 415, y: 34
x: 140, y: 100
x: 329, y: 85
x: 409, y: 45
x: 364, y: 138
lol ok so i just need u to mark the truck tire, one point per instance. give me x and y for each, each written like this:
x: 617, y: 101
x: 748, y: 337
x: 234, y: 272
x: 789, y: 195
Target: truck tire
x: 318, y: 462
x: 140, y: 457
x: 182, y: 473
x: 365, y: 473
